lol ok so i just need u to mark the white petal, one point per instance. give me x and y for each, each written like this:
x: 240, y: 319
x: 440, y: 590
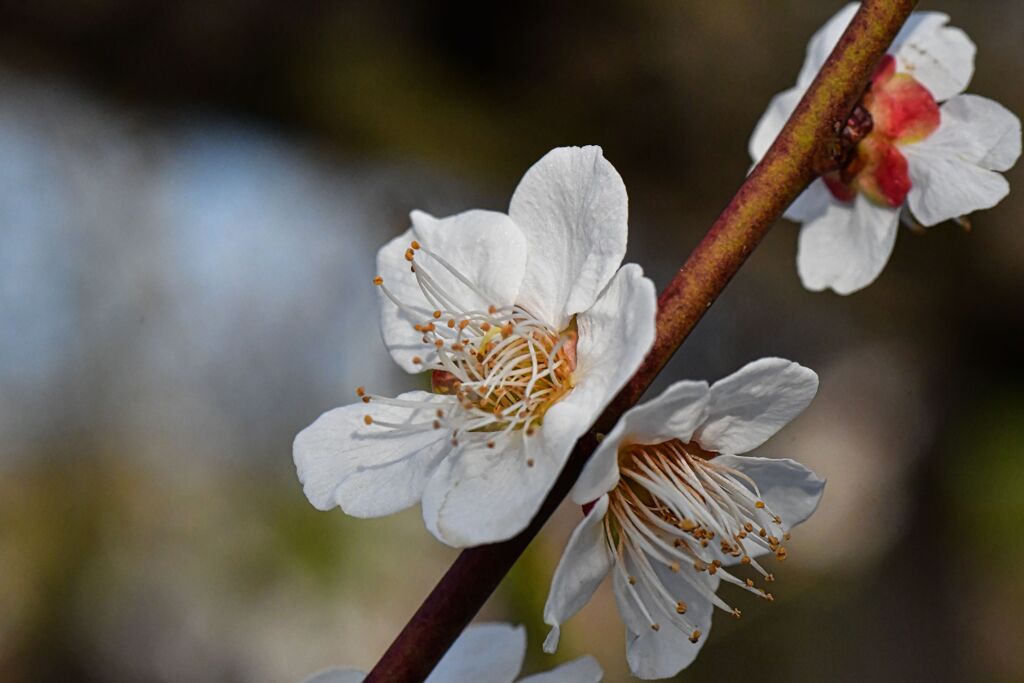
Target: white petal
x: 614, y: 336
x: 482, y: 495
x: 484, y: 653
x: 572, y: 207
x: 486, y: 247
x: 749, y: 406
x: 772, y: 121
x: 659, y: 654
x: 368, y: 470
x: 847, y: 247
x: 583, y: 566
x: 337, y: 676
x: 952, y: 170
x: 674, y: 414
x: 823, y: 42
x: 811, y: 203
x: 940, y: 57
x: 582, y: 670
x: 789, y: 489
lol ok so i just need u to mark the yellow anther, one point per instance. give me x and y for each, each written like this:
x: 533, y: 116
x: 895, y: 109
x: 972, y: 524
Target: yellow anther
x: 409, y: 256
x: 417, y: 360
x: 655, y: 627
x: 451, y: 323
x: 780, y: 553
x: 415, y: 244
x: 437, y: 314
x: 367, y: 419
x: 695, y: 636
x: 360, y: 391
x: 680, y: 607
x: 378, y: 280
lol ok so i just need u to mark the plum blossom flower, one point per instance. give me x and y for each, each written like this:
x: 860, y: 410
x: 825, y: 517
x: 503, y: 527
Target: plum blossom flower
x: 529, y: 328
x: 485, y: 653
x: 671, y: 508
x: 940, y: 162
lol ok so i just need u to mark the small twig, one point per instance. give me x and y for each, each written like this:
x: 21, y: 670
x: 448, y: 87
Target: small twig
x: 807, y: 144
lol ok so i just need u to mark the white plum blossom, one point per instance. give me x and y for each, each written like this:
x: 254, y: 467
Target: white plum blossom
x: 485, y: 653
x: 940, y: 162
x: 529, y: 328
x: 671, y: 507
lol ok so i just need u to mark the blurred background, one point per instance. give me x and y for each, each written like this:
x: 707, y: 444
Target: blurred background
x: 191, y: 197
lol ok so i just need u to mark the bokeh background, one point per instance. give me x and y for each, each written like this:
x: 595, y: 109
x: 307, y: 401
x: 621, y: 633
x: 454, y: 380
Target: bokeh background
x: 191, y: 195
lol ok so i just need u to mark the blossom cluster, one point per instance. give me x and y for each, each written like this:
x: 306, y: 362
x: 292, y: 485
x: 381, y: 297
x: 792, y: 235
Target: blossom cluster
x: 527, y: 324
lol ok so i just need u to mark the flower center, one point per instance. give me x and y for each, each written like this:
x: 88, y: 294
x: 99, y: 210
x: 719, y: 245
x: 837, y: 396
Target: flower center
x: 503, y: 366
x: 675, y: 509
x: 901, y: 111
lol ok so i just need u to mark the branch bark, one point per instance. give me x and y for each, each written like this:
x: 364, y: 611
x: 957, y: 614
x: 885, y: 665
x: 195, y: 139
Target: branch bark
x: 809, y: 142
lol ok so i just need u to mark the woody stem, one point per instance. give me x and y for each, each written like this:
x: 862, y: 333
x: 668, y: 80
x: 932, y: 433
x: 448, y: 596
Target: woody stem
x: 809, y: 143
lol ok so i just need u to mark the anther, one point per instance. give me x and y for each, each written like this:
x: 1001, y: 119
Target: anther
x: 736, y: 613
x: 417, y: 360
x: 632, y: 580
x: 367, y: 419
x: 490, y: 444
x: 759, y: 505
x: 360, y: 391
x: 655, y: 627
x: 437, y: 315
x: 529, y: 462
x: 695, y: 636
x: 680, y: 607
x: 415, y: 244
x: 409, y: 256
x: 378, y: 280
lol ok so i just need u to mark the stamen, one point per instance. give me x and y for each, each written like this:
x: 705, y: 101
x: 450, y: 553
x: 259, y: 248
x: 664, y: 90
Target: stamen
x: 671, y: 501
x: 500, y: 368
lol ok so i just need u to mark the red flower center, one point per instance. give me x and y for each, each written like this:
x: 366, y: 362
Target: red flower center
x: 903, y: 111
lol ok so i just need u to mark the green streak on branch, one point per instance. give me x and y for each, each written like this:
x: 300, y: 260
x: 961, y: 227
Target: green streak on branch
x: 808, y: 143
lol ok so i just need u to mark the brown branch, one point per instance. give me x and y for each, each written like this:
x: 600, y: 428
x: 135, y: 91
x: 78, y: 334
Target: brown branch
x: 809, y: 142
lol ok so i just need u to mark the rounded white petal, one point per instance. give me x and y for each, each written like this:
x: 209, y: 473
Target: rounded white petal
x: 953, y: 170
x: 572, y: 207
x: 847, y: 247
x: 614, y: 336
x: 772, y: 121
x: 484, y: 653
x: 789, y: 489
x: 337, y: 676
x: 811, y: 203
x: 659, y: 654
x: 749, y: 406
x: 823, y: 42
x: 584, y: 564
x: 483, y: 495
x: 582, y: 670
x: 940, y: 57
x: 486, y: 247
x: 674, y: 414
x: 368, y: 470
